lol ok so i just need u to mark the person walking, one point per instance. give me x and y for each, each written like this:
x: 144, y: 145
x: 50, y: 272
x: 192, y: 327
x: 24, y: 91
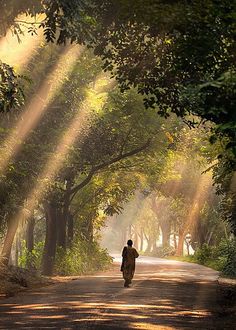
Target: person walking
x: 129, y: 254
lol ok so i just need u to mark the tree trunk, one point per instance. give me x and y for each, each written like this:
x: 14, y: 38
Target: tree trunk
x: 64, y: 216
x: 165, y: 230
x: 154, y: 245
x: 149, y: 245
x: 141, y: 240
x: 50, y: 239
x: 70, y: 230
x: 30, y: 234
x: 8, y: 241
x: 180, y: 247
x: 61, y: 229
x: 174, y: 235
x: 175, y: 241
x: 30, y: 241
x: 135, y: 239
x: 16, y: 250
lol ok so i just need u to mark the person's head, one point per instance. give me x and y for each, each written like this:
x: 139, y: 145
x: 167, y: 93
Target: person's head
x: 130, y: 242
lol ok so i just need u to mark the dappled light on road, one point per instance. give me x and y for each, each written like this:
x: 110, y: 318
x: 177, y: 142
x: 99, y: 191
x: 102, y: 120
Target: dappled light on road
x: 161, y: 296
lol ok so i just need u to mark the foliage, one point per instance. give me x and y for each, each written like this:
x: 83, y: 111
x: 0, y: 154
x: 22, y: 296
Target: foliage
x: 227, y: 256
x: 31, y: 259
x: 204, y: 253
x: 11, y: 92
x: 221, y: 257
x: 10, y: 12
x: 11, y: 85
x: 82, y: 258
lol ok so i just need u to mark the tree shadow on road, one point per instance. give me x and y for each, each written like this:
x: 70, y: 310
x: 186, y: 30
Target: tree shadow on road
x: 99, y: 303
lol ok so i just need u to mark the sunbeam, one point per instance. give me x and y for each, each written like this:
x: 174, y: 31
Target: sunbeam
x: 18, y: 53
x: 203, y: 186
x: 205, y: 183
x: 54, y: 164
x: 39, y: 103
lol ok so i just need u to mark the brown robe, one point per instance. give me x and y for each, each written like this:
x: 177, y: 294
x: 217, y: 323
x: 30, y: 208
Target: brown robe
x: 129, y: 255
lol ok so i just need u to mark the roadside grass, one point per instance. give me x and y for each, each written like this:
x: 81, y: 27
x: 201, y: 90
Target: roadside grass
x: 214, y: 264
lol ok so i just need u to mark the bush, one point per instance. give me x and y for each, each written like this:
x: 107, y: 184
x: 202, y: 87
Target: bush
x: 204, y: 254
x: 31, y: 259
x: 83, y: 257
x: 222, y: 257
x: 227, y: 257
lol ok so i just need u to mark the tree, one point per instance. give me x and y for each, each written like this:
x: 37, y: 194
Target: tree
x: 116, y: 137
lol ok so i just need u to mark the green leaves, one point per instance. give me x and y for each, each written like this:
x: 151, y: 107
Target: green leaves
x: 11, y: 93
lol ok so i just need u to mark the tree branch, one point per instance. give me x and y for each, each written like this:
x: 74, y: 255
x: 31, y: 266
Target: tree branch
x: 82, y: 184
x: 105, y: 164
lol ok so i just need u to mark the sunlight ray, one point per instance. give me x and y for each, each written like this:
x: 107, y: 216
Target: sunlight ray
x: 18, y: 53
x: 39, y: 103
x: 205, y: 183
x: 51, y: 169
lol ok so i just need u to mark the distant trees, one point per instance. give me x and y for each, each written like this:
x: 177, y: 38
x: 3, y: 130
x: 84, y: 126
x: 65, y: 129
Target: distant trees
x: 176, y: 202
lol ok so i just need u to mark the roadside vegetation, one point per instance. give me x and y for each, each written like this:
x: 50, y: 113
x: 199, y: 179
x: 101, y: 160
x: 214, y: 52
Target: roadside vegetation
x: 221, y: 258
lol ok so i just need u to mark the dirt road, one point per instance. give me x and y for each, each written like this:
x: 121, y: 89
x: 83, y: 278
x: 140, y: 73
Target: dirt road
x: 165, y: 294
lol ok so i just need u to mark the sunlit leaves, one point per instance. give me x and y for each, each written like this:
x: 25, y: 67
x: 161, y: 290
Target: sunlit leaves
x: 11, y: 94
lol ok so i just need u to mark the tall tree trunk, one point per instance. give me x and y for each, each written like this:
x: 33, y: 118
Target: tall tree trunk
x: 154, y: 245
x: 16, y: 250
x: 61, y: 228
x: 135, y: 239
x: 141, y: 240
x: 70, y: 230
x: 30, y: 234
x: 175, y: 241
x: 30, y: 241
x: 8, y: 241
x: 149, y: 244
x: 50, y: 239
x: 64, y: 215
x: 180, y: 247
x: 165, y: 229
x: 174, y: 236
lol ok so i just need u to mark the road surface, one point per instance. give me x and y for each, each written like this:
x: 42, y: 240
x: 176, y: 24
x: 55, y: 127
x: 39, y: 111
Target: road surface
x: 165, y: 294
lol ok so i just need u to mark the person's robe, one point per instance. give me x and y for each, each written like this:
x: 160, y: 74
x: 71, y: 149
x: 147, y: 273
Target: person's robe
x: 129, y: 255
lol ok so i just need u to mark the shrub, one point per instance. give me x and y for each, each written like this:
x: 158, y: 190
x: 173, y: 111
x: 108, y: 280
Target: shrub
x: 83, y: 257
x: 204, y: 254
x: 31, y: 259
x: 227, y: 256
x: 222, y: 257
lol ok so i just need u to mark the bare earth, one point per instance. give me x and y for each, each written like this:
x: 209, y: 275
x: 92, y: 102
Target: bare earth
x: 165, y: 294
